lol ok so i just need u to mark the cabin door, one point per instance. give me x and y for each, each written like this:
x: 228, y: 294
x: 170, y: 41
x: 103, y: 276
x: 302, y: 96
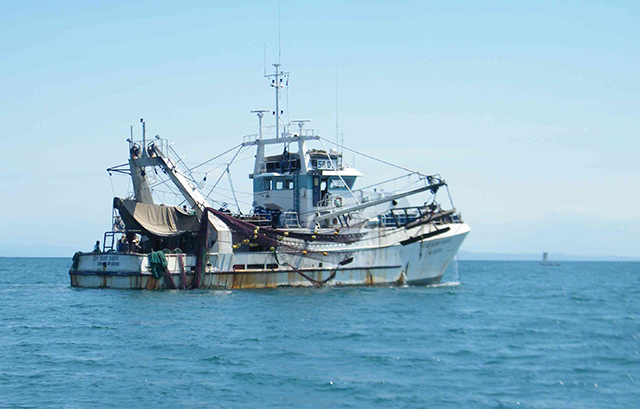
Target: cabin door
x: 316, y: 190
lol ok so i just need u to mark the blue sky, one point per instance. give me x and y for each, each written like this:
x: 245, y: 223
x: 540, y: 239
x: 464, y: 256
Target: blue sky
x: 528, y: 109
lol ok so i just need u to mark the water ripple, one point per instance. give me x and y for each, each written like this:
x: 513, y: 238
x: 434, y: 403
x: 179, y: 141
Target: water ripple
x: 503, y: 334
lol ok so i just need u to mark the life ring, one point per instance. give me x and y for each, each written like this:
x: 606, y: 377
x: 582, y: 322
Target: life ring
x: 337, y: 202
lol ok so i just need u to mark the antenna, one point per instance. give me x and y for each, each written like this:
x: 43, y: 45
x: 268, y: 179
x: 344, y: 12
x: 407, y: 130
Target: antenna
x: 260, y: 113
x: 277, y: 82
x: 300, y: 123
x: 337, y: 105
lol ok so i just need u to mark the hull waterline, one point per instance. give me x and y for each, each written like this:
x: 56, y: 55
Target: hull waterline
x: 418, y: 263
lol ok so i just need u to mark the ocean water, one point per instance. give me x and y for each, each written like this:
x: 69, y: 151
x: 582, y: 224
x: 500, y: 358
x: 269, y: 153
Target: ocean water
x: 498, y: 334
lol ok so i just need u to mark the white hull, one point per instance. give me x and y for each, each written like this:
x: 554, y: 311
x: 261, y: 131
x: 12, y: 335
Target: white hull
x: 378, y: 259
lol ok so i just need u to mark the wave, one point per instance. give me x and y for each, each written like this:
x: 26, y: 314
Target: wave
x: 447, y: 284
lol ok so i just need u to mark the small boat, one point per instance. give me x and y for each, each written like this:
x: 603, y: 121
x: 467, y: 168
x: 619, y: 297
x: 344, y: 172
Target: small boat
x: 545, y: 260
x: 310, y: 224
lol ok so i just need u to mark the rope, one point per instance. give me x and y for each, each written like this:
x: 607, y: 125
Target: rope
x: 111, y: 181
x: 450, y: 199
x: 169, y: 280
x: 371, y: 157
x: 233, y: 191
x: 338, y: 173
x: 214, y: 158
x: 387, y: 181
x: 222, y: 174
x: 316, y: 283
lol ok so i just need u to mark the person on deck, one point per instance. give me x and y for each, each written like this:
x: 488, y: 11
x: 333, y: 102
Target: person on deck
x: 96, y: 248
x: 123, y: 245
x: 135, y: 245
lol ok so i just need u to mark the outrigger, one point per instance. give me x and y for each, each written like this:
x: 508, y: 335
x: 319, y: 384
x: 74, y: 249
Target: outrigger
x: 310, y: 224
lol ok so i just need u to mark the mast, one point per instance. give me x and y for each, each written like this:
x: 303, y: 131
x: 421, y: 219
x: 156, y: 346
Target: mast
x: 260, y: 148
x: 138, y: 174
x: 277, y: 84
x: 277, y: 100
x: 144, y: 138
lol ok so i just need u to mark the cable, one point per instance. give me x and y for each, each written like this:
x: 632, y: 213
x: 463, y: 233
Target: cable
x: 111, y: 181
x: 386, y: 181
x: 370, y: 157
x: 214, y: 158
x: 221, y: 175
x: 338, y: 173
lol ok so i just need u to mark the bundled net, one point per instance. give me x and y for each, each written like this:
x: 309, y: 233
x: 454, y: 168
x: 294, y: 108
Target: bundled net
x: 267, y: 237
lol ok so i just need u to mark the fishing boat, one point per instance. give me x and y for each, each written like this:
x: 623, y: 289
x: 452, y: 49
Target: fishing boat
x: 310, y: 223
x: 545, y: 261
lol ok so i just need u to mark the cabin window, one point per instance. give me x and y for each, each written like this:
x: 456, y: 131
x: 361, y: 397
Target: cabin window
x: 349, y: 181
x: 336, y: 183
x: 267, y: 184
x: 279, y: 185
x: 288, y: 184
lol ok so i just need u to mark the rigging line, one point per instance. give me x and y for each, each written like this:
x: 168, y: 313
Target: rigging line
x: 242, y: 159
x: 174, y: 190
x: 237, y: 191
x: 214, y: 158
x: 233, y: 191
x: 449, y: 194
x: 244, y: 202
x: 218, y: 181
x: 219, y: 165
x: 203, y: 183
x: 112, y: 189
x: 213, y: 166
x: 245, y: 158
x: 216, y: 169
x: 163, y: 182
x: 180, y: 161
x: 386, y: 181
x: 158, y: 191
x: 171, y: 192
x: 363, y: 214
x: 221, y: 203
x: 371, y: 157
x: 226, y: 196
x: 337, y: 172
